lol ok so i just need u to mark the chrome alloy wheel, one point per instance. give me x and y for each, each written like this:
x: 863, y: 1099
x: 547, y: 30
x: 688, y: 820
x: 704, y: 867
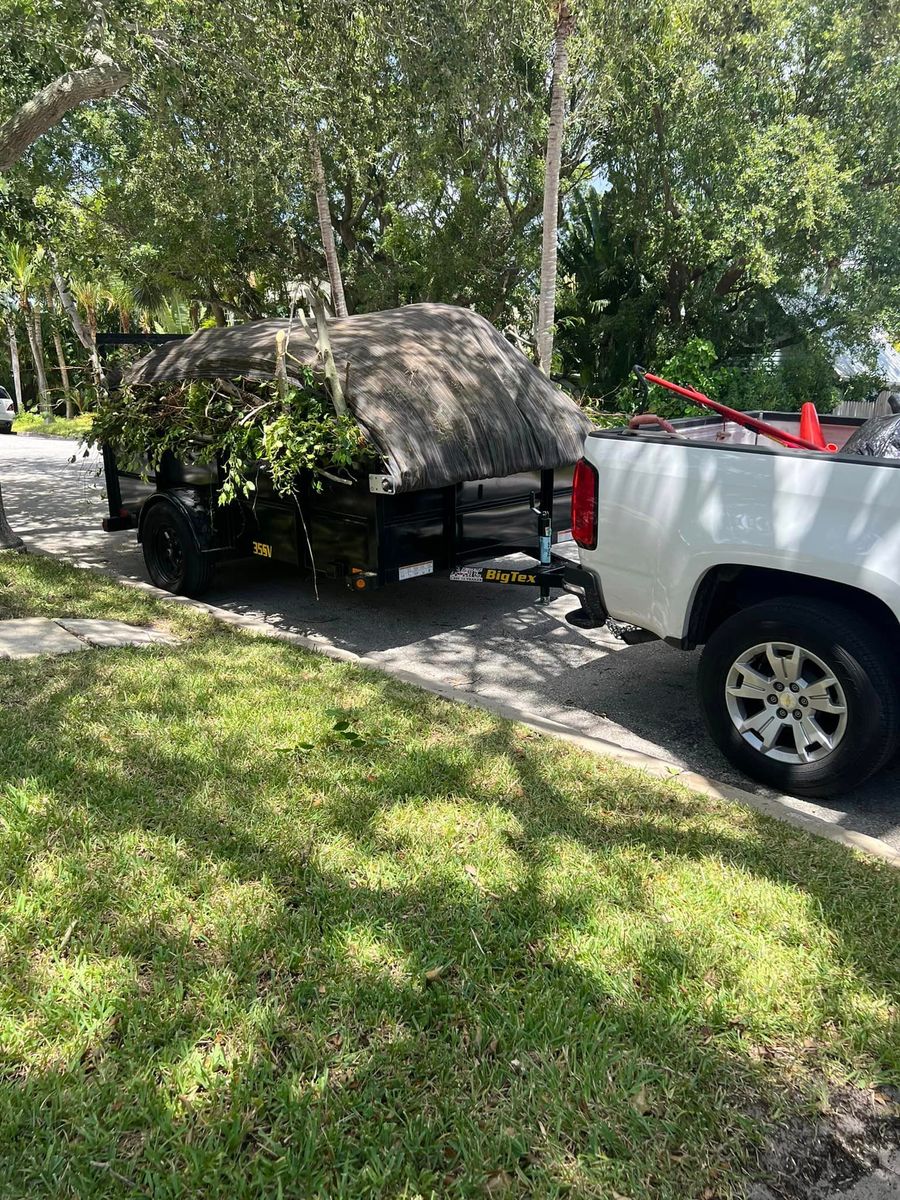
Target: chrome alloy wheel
x: 786, y: 703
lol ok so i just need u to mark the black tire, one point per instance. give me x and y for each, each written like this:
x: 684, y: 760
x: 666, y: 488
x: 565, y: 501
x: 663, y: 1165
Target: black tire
x: 858, y: 657
x: 174, y: 560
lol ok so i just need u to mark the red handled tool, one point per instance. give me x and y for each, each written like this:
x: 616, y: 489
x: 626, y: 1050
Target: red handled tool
x: 791, y: 440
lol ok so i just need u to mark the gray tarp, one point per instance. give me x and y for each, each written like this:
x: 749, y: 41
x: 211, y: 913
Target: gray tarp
x: 439, y: 392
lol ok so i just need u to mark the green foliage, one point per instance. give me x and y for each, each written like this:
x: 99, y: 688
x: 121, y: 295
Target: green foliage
x: 246, y: 425
x: 863, y: 387
x: 606, y: 314
x: 745, y: 171
x: 779, y: 386
x: 693, y: 366
x: 749, y: 191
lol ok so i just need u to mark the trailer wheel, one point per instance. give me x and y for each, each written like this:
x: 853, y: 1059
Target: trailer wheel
x: 801, y: 695
x: 173, y: 558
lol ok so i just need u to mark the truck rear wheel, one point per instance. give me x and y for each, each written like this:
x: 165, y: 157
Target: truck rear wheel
x: 801, y: 695
x: 174, y: 560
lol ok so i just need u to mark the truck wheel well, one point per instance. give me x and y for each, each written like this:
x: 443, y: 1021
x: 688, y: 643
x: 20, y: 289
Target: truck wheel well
x: 727, y: 589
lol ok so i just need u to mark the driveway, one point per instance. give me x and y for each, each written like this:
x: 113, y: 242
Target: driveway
x: 490, y: 640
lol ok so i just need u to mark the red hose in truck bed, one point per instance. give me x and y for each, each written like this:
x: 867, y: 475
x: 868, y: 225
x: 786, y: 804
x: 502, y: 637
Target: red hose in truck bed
x: 792, y: 440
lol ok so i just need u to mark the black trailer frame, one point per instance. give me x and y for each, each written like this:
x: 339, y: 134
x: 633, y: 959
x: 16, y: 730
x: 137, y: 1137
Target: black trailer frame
x: 365, y: 535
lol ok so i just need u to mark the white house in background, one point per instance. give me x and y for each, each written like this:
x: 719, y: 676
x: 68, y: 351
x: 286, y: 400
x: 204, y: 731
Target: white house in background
x: 887, y: 366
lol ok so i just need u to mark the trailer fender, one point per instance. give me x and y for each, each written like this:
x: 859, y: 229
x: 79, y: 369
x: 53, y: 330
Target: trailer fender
x: 192, y: 505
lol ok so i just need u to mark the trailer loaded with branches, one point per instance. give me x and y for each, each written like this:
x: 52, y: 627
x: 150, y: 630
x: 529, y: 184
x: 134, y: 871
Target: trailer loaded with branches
x: 371, y: 449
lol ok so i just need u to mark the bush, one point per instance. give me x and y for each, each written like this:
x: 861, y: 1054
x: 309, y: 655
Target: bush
x: 784, y: 385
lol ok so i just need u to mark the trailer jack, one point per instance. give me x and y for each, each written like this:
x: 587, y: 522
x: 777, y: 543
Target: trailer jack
x: 548, y: 571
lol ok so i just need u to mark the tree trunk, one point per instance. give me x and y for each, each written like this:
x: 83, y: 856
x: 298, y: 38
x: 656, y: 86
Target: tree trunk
x: 547, y: 297
x: 218, y: 312
x: 14, y: 359
x: 327, y: 230
x: 48, y: 106
x: 8, y: 539
x: 64, y: 373
x: 60, y: 355
x: 36, y: 341
x: 82, y: 332
x: 194, y: 314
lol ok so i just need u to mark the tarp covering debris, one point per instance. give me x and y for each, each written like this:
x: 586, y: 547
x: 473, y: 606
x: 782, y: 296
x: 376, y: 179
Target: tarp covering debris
x: 439, y: 392
x: 878, y: 438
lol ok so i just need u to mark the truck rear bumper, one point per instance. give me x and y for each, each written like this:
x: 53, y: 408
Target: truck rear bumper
x: 586, y: 586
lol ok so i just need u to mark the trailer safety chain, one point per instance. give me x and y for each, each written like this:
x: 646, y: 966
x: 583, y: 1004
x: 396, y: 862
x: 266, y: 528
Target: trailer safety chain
x: 621, y: 629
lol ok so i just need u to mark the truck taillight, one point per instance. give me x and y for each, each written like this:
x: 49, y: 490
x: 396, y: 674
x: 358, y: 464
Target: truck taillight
x: 584, y: 505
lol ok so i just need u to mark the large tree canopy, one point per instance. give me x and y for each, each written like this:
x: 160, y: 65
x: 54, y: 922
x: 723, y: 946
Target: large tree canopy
x: 744, y: 161
x: 750, y: 191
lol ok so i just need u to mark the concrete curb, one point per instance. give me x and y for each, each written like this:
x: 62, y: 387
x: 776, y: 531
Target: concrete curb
x: 768, y: 806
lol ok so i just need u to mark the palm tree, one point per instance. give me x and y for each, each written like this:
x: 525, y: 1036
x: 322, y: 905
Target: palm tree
x: 120, y: 300
x: 8, y: 305
x: 565, y: 23
x: 24, y: 267
x: 147, y: 295
x: 608, y: 317
x: 10, y: 322
x: 172, y: 315
x: 89, y: 295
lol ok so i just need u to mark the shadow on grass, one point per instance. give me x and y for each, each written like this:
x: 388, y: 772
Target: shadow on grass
x: 465, y: 962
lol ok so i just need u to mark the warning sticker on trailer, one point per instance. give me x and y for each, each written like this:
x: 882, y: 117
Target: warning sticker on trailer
x: 416, y: 569
x: 467, y: 575
x: 565, y: 535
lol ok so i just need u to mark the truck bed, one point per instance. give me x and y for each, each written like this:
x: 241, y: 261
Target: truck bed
x: 713, y: 429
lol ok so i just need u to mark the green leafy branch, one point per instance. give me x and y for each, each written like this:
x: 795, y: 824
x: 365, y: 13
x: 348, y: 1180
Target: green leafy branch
x: 247, y: 425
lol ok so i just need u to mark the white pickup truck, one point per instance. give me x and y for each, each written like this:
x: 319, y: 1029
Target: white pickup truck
x: 783, y: 564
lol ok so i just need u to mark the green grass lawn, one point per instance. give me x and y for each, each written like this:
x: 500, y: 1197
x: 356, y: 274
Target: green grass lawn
x: 271, y: 926
x: 68, y: 427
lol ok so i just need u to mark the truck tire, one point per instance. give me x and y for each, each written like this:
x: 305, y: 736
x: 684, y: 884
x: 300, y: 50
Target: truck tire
x: 174, y: 560
x: 790, y: 656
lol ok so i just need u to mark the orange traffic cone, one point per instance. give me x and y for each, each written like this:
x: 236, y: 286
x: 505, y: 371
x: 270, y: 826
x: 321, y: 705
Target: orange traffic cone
x: 811, y: 429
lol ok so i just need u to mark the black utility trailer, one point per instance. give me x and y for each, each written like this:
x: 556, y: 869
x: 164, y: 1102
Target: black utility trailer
x: 437, y: 505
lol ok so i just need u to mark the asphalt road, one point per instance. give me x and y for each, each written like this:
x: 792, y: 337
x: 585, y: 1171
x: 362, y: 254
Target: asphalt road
x: 490, y: 640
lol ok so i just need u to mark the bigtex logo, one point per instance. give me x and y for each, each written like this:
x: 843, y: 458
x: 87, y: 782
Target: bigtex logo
x: 492, y: 575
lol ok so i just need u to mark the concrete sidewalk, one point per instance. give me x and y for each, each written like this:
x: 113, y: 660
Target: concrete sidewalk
x: 30, y: 637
